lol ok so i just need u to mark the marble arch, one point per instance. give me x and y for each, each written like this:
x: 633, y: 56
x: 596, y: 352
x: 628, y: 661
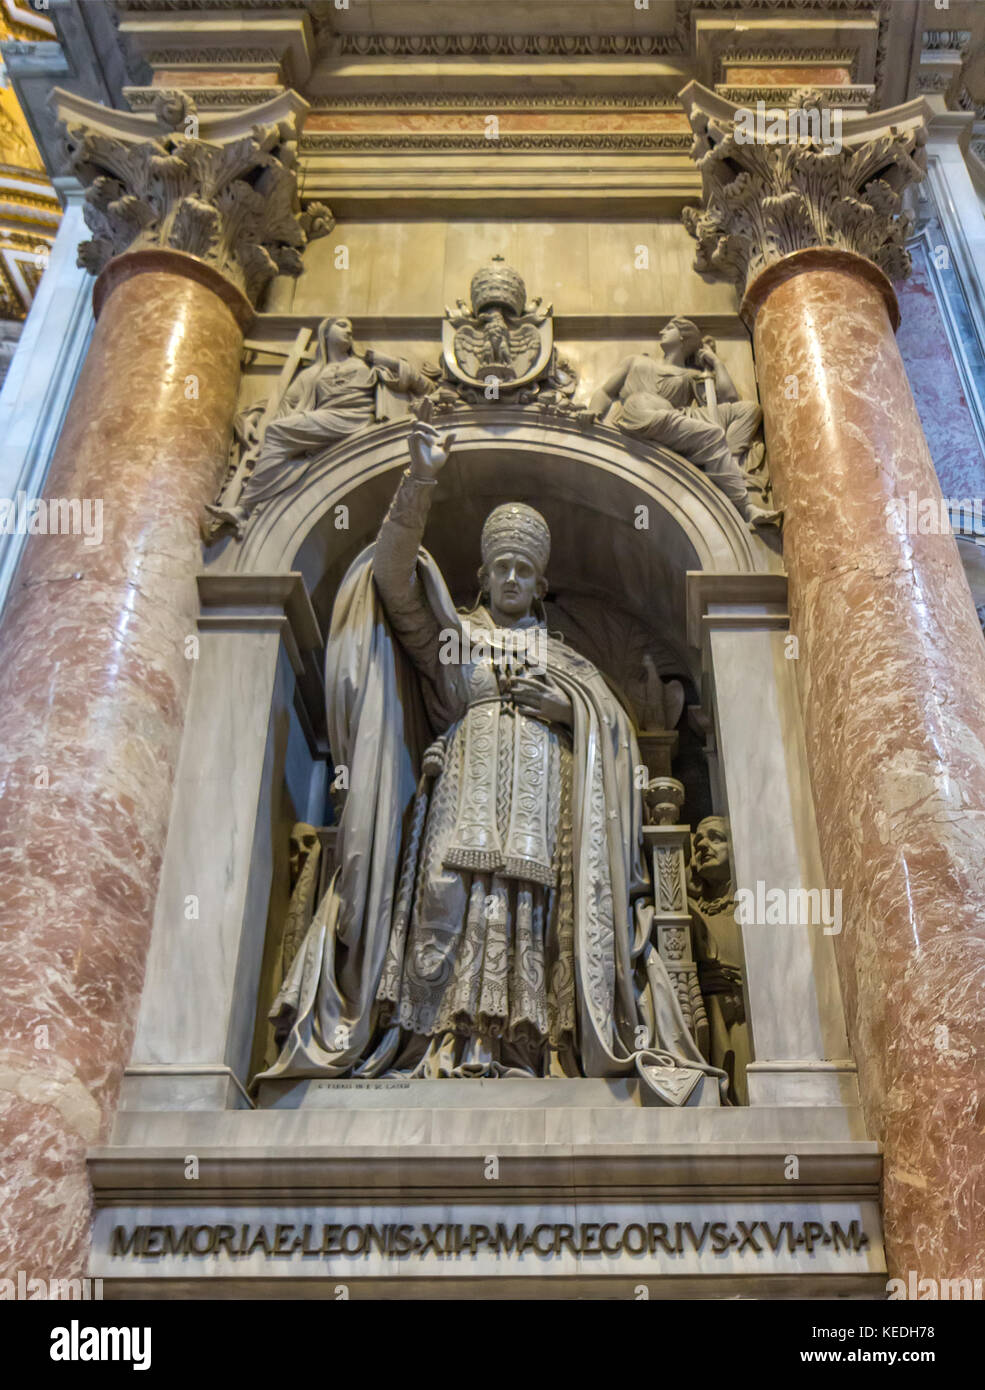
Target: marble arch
x: 663, y: 517
x: 719, y: 539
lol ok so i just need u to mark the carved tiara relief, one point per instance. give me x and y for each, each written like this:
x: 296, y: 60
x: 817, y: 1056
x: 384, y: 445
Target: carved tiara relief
x: 498, y: 335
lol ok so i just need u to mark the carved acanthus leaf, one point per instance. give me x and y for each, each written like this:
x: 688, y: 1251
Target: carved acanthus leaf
x: 763, y: 200
x: 232, y: 204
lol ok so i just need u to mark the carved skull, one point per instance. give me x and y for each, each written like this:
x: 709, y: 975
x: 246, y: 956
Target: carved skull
x: 304, y: 838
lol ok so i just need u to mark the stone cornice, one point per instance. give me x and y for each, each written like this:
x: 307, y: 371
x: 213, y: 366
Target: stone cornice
x: 207, y: 98
x: 506, y: 45
x: 526, y: 140
x: 220, y: 188
x: 761, y: 201
x: 213, y: 57
x: 493, y: 101
x: 328, y: 50
x: 142, y: 99
x: 859, y: 95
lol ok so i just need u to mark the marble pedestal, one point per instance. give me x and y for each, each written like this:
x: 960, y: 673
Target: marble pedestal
x: 515, y: 1189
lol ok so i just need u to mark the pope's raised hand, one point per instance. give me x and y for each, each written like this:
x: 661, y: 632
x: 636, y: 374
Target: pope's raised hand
x: 429, y: 450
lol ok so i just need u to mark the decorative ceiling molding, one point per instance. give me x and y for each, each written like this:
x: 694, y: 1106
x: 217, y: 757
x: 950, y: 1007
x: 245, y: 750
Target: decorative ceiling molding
x: 213, y: 57
x: 142, y: 98
x: 506, y: 45
x: 174, y: 6
x: 493, y: 101
x: 856, y: 96
x: 526, y: 140
x: 966, y: 102
x: 779, y: 57
x: 952, y: 40
x: 617, y: 34
x: 933, y: 81
x: 206, y: 98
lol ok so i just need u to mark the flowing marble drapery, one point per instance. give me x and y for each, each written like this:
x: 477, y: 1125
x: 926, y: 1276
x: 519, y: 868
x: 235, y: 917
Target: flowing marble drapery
x: 657, y: 402
x: 424, y: 960
x: 327, y: 401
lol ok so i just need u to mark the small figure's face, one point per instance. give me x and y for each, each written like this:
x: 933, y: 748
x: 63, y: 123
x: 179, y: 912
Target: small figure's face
x: 340, y: 335
x: 711, y: 859
x: 670, y: 339
x: 514, y: 583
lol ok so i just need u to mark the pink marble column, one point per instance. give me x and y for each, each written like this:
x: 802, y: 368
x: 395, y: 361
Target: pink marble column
x: 892, y: 675
x: 93, y: 680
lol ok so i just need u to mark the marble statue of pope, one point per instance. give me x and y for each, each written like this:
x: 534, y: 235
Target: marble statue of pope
x: 490, y: 912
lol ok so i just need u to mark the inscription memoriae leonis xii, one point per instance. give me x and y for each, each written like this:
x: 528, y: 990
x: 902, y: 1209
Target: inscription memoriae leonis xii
x: 441, y: 1239
x: 609, y: 1238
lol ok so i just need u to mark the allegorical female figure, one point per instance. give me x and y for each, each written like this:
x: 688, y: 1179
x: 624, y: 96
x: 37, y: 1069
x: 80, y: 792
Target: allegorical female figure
x: 339, y: 393
x: 489, y: 914
x: 657, y: 398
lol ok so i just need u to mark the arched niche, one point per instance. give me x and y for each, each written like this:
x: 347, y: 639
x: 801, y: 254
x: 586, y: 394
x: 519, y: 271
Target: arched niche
x: 628, y: 521
x: 249, y: 769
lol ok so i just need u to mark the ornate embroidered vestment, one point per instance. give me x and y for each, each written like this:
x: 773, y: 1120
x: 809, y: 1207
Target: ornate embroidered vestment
x: 488, y: 914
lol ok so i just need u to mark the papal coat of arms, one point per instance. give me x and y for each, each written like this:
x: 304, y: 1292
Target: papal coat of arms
x: 501, y: 337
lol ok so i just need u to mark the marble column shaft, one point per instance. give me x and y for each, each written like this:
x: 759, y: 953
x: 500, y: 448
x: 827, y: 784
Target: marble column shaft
x: 892, y: 676
x: 93, y: 683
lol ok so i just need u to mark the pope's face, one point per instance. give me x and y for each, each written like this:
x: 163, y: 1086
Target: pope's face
x: 513, y: 584
x: 711, y: 850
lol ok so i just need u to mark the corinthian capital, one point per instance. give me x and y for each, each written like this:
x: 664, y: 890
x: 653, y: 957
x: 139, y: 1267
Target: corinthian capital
x: 767, y: 191
x: 221, y: 188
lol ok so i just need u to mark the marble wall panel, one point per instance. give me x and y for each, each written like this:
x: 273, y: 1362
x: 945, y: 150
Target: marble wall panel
x: 199, y: 1000
x: 791, y: 975
x: 417, y: 267
x: 945, y: 412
